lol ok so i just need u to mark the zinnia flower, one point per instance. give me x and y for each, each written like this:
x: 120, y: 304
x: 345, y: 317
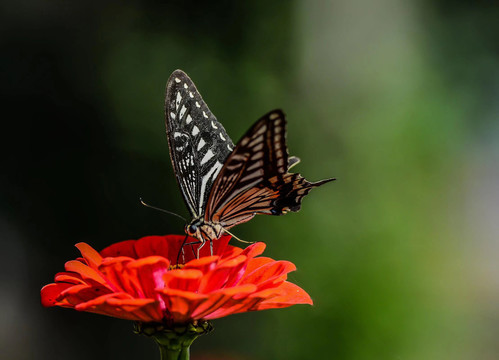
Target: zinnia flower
x: 140, y: 280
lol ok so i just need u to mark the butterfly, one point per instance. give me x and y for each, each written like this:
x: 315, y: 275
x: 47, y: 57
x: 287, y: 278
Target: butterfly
x: 225, y: 184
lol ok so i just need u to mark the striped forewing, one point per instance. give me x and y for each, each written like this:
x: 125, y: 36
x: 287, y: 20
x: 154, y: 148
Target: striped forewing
x: 198, y: 143
x: 254, y: 179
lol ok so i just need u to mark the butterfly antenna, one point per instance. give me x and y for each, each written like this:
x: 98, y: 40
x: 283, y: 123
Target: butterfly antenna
x: 163, y: 210
x: 235, y: 237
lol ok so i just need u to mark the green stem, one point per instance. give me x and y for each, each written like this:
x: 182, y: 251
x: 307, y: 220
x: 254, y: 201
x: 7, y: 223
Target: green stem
x: 174, y: 345
x: 174, y: 341
x: 173, y: 354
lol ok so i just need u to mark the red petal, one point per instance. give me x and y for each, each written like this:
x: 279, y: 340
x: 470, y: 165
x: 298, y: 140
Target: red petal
x: 50, y: 294
x: 147, y: 274
x: 122, y: 248
x: 255, y: 263
x: 221, y: 246
x: 77, y: 294
x: 221, y: 298
x: 180, y: 304
x: 288, y: 294
x: 184, y: 279
x: 269, y: 272
x: 203, y: 264
x: 225, y: 274
x: 122, y: 306
x: 92, y: 257
x: 85, y: 271
x: 114, y: 271
x: 254, y: 250
x: 68, y: 277
x: 155, y: 245
x: 233, y: 307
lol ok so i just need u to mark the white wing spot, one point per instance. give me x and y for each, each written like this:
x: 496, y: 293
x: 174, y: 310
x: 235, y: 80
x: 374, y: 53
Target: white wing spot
x: 177, y: 134
x: 210, y: 174
x: 201, y: 144
x: 197, y: 104
x: 209, y: 154
x: 177, y: 80
x: 204, y: 114
x: 213, y: 125
x: 182, y: 111
x: 195, y: 130
x: 188, y: 119
x: 229, y: 147
x: 172, y: 115
x: 185, y: 86
x: 221, y: 137
x: 179, y: 99
x: 191, y: 94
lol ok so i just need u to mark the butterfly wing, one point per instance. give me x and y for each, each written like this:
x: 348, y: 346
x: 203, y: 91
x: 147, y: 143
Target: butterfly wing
x: 198, y: 143
x: 255, y: 179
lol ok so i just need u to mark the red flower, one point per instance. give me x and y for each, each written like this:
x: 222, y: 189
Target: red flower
x: 135, y: 280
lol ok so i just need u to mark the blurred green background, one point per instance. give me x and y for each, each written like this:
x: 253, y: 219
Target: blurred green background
x: 397, y: 99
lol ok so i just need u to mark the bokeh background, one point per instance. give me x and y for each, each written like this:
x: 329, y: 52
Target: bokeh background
x: 397, y: 99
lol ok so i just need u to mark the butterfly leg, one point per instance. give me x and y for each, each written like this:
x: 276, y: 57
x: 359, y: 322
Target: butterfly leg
x: 181, y: 251
x: 203, y: 242
x: 192, y: 249
x: 211, y: 247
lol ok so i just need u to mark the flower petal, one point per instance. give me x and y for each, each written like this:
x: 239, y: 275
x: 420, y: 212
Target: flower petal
x: 92, y: 257
x: 85, y: 271
x: 225, y: 274
x: 69, y: 277
x: 158, y: 245
x: 288, y: 294
x: 122, y: 248
x: 180, y: 304
x: 255, y: 263
x: 204, y: 264
x: 122, y: 306
x: 50, y: 294
x: 146, y: 275
x: 254, y: 249
x: 77, y: 294
x: 220, y: 299
x: 269, y: 274
x: 183, y: 279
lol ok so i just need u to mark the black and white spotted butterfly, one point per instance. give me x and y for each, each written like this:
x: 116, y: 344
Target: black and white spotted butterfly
x: 224, y: 185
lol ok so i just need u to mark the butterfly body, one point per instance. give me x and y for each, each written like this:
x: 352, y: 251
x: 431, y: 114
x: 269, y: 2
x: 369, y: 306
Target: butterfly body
x: 225, y: 184
x: 205, y: 231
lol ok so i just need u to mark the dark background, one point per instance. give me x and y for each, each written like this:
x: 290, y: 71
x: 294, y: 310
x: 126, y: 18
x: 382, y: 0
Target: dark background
x: 397, y: 99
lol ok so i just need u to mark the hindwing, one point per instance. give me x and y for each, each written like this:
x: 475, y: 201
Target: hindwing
x: 255, y: 179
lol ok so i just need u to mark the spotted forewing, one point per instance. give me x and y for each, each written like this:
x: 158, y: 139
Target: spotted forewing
x: 198, y: 143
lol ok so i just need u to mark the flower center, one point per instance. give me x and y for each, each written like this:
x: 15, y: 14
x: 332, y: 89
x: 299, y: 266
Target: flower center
x: 177, y: 266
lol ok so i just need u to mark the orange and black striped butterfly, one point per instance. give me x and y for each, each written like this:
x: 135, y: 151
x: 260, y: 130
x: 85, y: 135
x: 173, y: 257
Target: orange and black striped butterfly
x: 224, y: 185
